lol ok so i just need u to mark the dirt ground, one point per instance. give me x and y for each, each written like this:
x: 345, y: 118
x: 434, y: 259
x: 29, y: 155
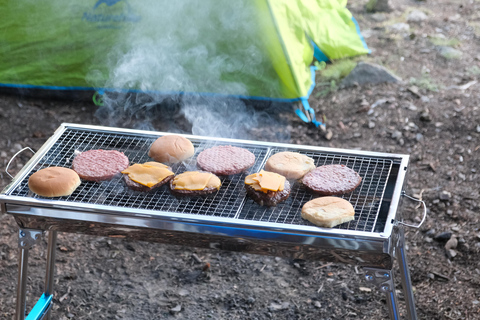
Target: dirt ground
x: 429, y: 116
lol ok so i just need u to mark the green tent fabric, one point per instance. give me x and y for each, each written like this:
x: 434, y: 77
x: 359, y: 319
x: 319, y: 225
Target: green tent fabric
x: 257, y: 49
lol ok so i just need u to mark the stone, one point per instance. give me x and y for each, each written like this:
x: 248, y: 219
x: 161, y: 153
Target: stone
x: 451, y: 254
x: 443, y: 236
x: 425, y: 116
x: 379, y: 6
x: 277, y: 306
x: 368, y: 73
x: 183, y: 292
x: 452, y: 243
x: 417, y: 16
x: 378, y: 17
x: 399, y: 27
x: 449, y: 52
x: 445, y: 195
x: 176, y: 309
x: 396, y: 135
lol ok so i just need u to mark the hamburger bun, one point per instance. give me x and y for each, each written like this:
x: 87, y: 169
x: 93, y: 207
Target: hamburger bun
x: 291, y: 165
x: 328, y: 211
x: 54, y: 182
x: 171, y: 149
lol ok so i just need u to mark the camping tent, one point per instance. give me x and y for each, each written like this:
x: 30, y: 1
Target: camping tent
x: 255, y: 49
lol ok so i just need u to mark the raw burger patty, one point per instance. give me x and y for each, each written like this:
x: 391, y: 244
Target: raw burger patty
x: 332, y: 180
x: 225, y: 160
x: 271, y: 198
x: 99, y: 165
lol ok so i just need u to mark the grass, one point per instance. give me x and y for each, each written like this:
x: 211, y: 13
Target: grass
x: 454, y: 42
x: 330, y: 74
x: 474, y: 71
x: 425, y: 82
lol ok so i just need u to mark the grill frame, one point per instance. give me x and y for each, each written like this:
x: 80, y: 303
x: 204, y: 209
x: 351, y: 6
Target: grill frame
x: 46, y: 214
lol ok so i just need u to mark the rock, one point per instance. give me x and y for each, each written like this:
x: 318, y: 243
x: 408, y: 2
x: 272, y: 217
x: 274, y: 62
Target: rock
x: 478, y: 128
x: 278, y: 307
x: 371, y: 124
x: 430, y: 233
x: 176, y: 309
x: 452, y: 243
x: 317, y: 304
x: 416, y: 16
x: 414, y: 90
x: 183, y: 292
x: 419, y: 137
x: 399, y: 27
x: 378, y: 17
x: 451, y: 253
x: 379, y: 6
x: 425, y: 116
x: 396, y: 135
x: 329, y: 134
x: 449, y: 52
x: 368, y: 73
x: 425, y: 99
x: 445, y: 195
x: 16, y: 147
x: 443, y: 236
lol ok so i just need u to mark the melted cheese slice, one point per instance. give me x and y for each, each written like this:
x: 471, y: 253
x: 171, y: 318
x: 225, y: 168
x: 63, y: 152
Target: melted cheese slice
x: 266, y: 181
x: 148, y: 174
x: 195, y: 180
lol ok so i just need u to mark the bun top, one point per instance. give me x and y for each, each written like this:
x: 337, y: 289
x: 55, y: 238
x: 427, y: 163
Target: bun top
x: 54, y: 182
x: 171, y: 149
x: 291, y: 165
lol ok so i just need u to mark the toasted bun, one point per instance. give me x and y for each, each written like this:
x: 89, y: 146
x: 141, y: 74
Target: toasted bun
x: 171, y: 149
x: 291, y: 165
x: 54, y: 182
x: 328, y: 211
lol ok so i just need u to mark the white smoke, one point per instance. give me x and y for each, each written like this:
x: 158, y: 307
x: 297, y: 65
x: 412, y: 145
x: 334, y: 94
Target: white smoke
x: 191, y: 48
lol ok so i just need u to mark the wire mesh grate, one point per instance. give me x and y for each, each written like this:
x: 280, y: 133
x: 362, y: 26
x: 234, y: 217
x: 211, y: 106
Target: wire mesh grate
x: 230, y: 201
x: 114, y: 193
x: 366, y: 198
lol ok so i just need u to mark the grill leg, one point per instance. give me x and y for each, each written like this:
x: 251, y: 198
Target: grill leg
x: 384, y: 280
x: 50, y: 273
x: 27, y: 238
x: 405, y: 277
x: 22, y: 284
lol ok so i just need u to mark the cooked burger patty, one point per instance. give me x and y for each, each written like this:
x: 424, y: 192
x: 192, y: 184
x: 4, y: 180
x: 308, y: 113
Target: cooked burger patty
x: 99, y: 165
x: 225, y: 160
x: 270, y: 198
x: 191, y: 193
x: 332, y: 179
x: 212, y: 184
x: 140, y: 187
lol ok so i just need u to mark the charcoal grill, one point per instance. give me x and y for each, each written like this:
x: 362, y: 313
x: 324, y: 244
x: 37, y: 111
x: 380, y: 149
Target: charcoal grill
x: 227, y: 220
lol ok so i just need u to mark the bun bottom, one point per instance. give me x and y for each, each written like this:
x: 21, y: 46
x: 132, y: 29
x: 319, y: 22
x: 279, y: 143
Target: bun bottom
x: 328, y: 211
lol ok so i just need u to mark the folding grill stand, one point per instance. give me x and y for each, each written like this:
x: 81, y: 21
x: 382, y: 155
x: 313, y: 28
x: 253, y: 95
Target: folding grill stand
x: 34, y: 216
x: 383, y: 279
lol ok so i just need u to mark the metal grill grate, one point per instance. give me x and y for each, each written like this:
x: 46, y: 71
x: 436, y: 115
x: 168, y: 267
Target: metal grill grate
x: 366, y: 199
x: 230, y: 201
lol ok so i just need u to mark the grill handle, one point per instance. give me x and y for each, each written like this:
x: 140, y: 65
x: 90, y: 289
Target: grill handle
x: 424, y: 212
x: 14, y: 156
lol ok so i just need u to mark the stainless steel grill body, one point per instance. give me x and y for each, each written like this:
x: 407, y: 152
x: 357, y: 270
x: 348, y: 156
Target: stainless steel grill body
x: 227, y: 220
